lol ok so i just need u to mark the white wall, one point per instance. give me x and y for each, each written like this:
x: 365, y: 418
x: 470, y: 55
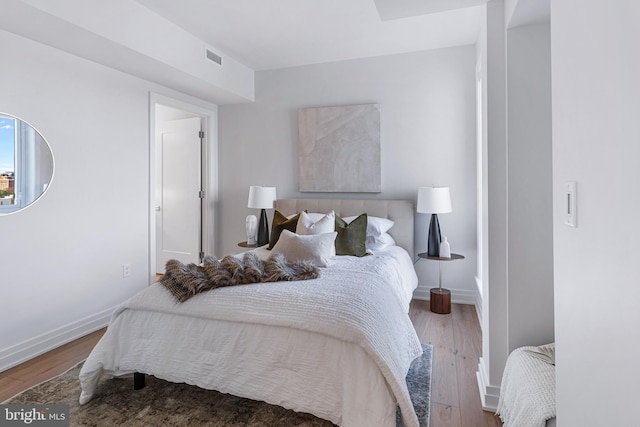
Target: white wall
x: 596, y: 142
x: 517, y: 304
x: 529, y: 212
x: 495, y: 349
x: 427, y: 131
x: 62, y: 257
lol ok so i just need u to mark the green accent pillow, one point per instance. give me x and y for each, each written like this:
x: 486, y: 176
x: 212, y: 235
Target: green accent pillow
x: 351, y: 237
x: 279, y: 223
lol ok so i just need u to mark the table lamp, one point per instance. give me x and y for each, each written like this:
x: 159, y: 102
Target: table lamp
x: 434, y: 200
x: 262, y: 198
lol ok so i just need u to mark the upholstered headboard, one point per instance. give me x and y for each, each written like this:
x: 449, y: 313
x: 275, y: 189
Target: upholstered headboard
x: 399, y: 211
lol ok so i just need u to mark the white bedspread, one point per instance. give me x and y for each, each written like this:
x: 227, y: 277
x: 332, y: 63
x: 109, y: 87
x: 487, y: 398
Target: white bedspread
x: 357, y: 309
x: 528, y: 390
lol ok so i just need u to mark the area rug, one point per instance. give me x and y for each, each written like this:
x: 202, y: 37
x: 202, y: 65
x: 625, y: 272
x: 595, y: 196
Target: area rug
x: 163, y: 403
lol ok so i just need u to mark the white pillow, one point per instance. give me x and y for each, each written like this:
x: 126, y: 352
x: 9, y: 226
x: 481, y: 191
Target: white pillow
x: 308, y: 225
x: 315, y: 217
x: 377, y: 243
x: 317, y: 248
x: 376, y: 226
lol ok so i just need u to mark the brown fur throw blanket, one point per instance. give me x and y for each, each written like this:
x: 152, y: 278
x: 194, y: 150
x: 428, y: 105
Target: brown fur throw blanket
x: 184, y: 281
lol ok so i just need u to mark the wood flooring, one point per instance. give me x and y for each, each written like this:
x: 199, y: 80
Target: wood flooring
x: 457, y: 344
x: 46, y: 366
x: 456, y: 340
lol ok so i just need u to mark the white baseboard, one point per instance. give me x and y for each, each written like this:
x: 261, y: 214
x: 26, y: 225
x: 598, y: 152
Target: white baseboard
x: 21, y: 352
x: 489, y: 395
x: 421, y: 293
x: 463, y: 296
x: 458, y: 296
x: 478, y: 302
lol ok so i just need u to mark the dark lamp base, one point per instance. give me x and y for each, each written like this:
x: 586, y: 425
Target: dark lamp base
x: 433, y: 242
x: 263, y: 229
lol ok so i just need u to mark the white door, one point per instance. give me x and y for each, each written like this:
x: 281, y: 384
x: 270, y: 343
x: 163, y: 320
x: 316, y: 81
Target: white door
x: 178, y: 185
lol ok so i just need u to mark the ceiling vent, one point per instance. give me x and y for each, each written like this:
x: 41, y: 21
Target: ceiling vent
x: 212, y: 56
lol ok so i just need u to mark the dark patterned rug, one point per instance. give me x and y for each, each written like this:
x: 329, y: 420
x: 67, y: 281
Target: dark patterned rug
x: 163, y: 403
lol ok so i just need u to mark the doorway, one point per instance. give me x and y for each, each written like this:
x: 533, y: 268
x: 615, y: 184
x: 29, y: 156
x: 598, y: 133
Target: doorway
x: 182, y: 184
x: 178, y: 193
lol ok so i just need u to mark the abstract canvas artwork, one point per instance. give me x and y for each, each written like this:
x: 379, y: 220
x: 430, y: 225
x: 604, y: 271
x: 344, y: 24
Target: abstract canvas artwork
x: 339, y: 149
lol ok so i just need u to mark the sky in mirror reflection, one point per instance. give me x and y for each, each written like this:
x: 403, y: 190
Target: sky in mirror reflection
x: 7, y: 144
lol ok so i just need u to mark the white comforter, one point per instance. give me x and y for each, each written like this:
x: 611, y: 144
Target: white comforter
x: 338, y: 346
x: 528, y: 390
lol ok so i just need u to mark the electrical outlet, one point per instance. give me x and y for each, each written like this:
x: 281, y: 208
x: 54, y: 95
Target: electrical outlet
x: 126, y: 270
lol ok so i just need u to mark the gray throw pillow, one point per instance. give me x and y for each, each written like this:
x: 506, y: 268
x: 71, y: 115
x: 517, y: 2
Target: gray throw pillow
x: 352, y: 236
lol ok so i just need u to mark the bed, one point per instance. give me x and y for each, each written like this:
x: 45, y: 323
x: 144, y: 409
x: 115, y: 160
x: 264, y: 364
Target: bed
x: 527, y: 390
x: 338, y: 347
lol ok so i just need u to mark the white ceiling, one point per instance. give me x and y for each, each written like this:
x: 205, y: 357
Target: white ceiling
x: 394, y: 9
x: 268, y: 34
x: 530, y: 12
x: 163, y: 41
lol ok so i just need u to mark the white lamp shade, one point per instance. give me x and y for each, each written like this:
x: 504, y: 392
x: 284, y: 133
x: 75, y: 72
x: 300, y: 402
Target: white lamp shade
x: 434, y: 200
x: 261, y: 197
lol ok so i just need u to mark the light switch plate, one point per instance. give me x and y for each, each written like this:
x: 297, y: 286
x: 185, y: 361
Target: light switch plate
x: 570, y: 204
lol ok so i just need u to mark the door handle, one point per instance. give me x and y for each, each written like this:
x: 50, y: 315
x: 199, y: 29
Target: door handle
x: 158, y: 208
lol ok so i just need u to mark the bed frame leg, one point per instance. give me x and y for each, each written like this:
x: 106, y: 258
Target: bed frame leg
x: 138, y: 380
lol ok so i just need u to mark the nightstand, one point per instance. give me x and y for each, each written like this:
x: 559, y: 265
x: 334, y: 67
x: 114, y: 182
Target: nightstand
x: 440, y: 298
x: 246, y: 245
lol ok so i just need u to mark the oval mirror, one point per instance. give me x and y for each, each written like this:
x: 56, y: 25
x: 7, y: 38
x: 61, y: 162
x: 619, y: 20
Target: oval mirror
x: 26, y: 164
